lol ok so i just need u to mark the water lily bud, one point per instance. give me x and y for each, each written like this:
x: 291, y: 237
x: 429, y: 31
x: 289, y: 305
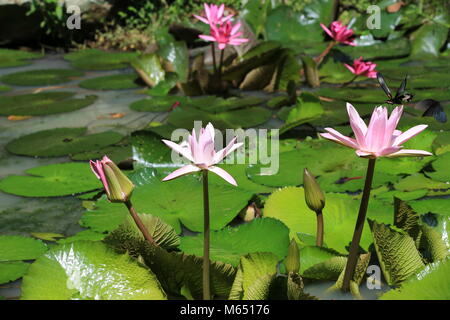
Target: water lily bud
x: 314, y: 196
x: 292, y: 261
x: 117, y: 185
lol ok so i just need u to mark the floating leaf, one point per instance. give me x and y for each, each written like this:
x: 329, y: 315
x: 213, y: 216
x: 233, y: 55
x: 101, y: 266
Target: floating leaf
x: 47, y: 236
x: 288, y: 205
x: 52, y: 181
x: 113, y: 82
x: 255, y: 273
x: 397, y: 253
x: 432, y: 283
x: 428, y: 40
x: 440, y: 165
x: 11, y: 271
x: 61, y: 141
x: 229, y: 244
x: 94, y: 59
x: 42, y: 77
x: 424, y: 206
x: 89, y: 270
x: 20, y: 248
x: 308, y: 108
x: 15, y: 58
x: 84, y: 235
x: 175, y: 202
x: 149, y: 68
x: 43, y: 103
x: 419, y: 181
x: 158, y: 104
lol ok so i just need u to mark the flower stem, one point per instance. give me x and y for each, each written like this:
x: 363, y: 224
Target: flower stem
x: 347, y: 83
x: 220, y: 66
x: 324, y: 53
x: 319, y: 233
x: 139, y: 223
x: 213, y: 50
x: 206, y: 261
x: 354, y: 247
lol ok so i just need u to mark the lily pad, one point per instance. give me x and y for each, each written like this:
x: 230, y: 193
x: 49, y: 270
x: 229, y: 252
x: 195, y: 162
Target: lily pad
x: 440, y: 206
x: 229, y: 244
x: 52, y: 181
x: 241, y: 118
x: 177, y: 201
x: 44, y: 77
x: 61, y: 141
x: 113, y: 82
x: 15, y: 58
x: 432, y: 283
x: 116, y: 153
x: 20, y: 248
x: 158, y: 104
x: 389, y: 49
x: 440, y: 165
x: 11, y: 271
x: 419, y: 181
x: 43, y: 103
x: 94, y: 59
x: 89, y: 270
x: 340, y: 212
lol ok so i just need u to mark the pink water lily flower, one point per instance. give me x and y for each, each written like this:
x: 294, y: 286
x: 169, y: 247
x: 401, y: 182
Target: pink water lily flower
x: 339, y: 33
x: 202, y: 154
x: 361, y: 68
x: 214, y: 15
x: 225, y: 34
x: 380, y: 139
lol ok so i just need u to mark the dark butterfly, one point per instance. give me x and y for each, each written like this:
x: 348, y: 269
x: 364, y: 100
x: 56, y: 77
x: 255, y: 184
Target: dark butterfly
x: 401, y: 96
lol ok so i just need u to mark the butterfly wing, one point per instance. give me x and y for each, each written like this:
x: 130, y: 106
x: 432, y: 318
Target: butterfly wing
x: 384, y: 85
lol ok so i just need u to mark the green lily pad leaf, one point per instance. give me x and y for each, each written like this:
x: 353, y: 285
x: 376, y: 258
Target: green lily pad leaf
x: 329, y: 269
x: 11, y: 271
x: 149, y: 68
x: 301, y: 157
x: 237, y: 171
x: 213, y: 104
x: 89, y: 270
x: 439, y: 206
x: 176, y: 53
x: 428, y: 40
x: 88, y: 235
x: 312, y: 255
x: 116, y: 153
x: 254, y: 13
x: 432, y: 283
x: 113, y: 82
x: 61, y: 141
x: 48, y: 236
x: 397, y: 253
x: 308, y: 108
x: 43, y: 103
x: 419, y: 181
x: 241, y: 118
x: 229, y: 244
x: 158, y: 104
x: 20, y: 248
x: 44, y: 77
x: 288, y: 205
x: 15, y: 58
x: 389, y: 49
x: 406, y: 219
x: 432, y: 241
x: 441, y: 144
x: 388, y: 196
x: 440, y: 165
x: 165, y: 86
x: 54, y: 180
x: 390, y: 21
x: 94, y: 59
x: 149, y: 150
x: 255, y: 274
x: 177, y: 201
x: 4, y: 88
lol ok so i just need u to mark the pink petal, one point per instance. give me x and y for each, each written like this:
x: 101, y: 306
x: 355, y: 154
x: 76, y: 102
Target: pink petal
x: 392, y: 123
x: 223, y: 174
x: 222, y: 46
x: 352, y: 70
x: 349, y: 142
x: 409, y: 153
x: 201, y: 19
x: 364, y: 154
x: 408, y: 134
x: 97, y: 168
x: 206, y: 37
x: 326, y: 30
x: 181, y: 172
x: 227, y: 150
x: 185, y: 152
x: 236, y: 28
x: 220, y: 11
x: 387, y: 151
x: 358, y: 125
x: 207, y: 11
x: 376, y: 130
